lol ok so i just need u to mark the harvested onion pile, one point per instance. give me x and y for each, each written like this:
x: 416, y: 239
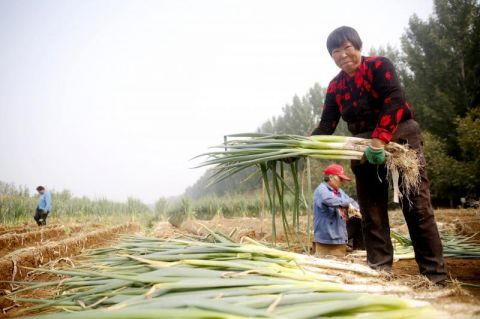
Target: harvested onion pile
x: 186, y: 278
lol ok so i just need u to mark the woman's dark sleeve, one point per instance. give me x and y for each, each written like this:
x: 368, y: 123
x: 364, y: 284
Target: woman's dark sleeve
x: 330, y: 115
x: 389, y: 90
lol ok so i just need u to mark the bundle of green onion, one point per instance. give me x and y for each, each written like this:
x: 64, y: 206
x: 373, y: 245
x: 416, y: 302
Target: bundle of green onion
x: 271, y: 153
x: 185, y: 278
x: 249, y: 149
x: 454, y: 246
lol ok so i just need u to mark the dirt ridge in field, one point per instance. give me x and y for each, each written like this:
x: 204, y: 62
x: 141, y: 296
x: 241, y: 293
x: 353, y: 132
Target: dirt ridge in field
x: 5, y: 230
x: 12, y: 266
x: 9, y: 242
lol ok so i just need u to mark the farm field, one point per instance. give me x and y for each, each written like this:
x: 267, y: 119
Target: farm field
x: 458, y: 303
x: 60, y: 245
x: 26, y: 246
x: 225, y: 160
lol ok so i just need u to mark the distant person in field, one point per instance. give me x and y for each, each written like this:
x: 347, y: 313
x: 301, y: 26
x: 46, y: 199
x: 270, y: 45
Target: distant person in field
x: 44, y: 206
x: 331, y: 208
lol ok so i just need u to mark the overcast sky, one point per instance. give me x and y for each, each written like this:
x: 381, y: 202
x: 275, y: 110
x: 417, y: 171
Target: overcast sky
x: 112, y: 98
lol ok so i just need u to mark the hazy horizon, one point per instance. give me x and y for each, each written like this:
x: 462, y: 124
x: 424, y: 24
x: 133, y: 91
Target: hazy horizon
x: 112, y: 98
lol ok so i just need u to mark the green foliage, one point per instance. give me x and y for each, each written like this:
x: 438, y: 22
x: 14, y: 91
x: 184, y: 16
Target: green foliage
x: 14, y: 207
x: 252, y: 204
x: 468, y: 130
x: 135, y: 205
x: 241, y: 182
x: 12, y: 189
x: 180, y: 210
x: 468, y: 134
x: 17, y: 205
x: 442, y: 170
x: 207, y: 207
x: 160, y: 208
x: 451, y: 178
x: 67, y: 230
x: 442, y: 57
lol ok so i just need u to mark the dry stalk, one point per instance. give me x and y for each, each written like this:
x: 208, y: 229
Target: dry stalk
x: 4, y: 310
x: 82, y: 304
x: 65, y: 259
x: 97, y: 302
x: 274, y: 304
x: 457, y: 289
x: 14, y: 270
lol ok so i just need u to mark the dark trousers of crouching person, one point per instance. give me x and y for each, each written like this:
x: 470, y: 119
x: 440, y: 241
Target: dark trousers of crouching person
x: 355, y: 233
x: 372, y: 192
x: 41, y: 217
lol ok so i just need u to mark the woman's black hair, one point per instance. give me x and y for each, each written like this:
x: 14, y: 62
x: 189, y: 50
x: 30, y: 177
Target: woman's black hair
x: 342, y: 34
x: 40, y: 188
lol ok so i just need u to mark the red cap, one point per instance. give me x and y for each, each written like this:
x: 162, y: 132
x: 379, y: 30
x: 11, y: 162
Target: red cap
x: 336, y: 169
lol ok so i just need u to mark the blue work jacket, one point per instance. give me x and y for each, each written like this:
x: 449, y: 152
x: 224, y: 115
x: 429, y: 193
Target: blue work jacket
x: 328, y: 225
x: 45, y: 202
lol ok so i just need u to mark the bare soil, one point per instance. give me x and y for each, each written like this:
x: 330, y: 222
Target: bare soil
x: 15, y: 266
x: 12, y: 241
x: 23, y: 229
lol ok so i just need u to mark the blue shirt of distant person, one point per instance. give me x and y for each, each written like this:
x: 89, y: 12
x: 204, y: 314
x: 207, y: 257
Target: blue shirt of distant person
x: 330, y: 205
x: 45, y: 201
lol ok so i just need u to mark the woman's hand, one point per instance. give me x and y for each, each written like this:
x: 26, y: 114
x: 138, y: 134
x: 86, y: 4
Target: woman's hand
x: 377, y: 143
x: 375, y: 153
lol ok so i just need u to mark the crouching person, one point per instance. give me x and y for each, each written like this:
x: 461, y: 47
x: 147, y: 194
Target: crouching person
x: 330, y: 206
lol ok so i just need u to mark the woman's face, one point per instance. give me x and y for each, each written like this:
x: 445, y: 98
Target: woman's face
x: 347, y: 58
x: 335, y: 181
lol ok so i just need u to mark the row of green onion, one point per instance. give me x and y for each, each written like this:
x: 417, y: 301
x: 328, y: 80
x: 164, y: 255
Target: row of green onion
x: 144, y: 277
x: 454, y: 246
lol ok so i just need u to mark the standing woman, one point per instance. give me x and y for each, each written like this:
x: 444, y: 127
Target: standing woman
x: 368, y: 96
